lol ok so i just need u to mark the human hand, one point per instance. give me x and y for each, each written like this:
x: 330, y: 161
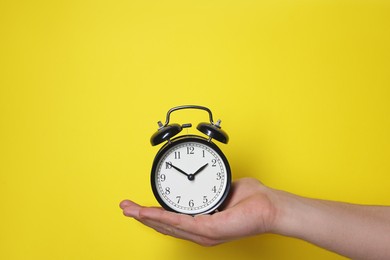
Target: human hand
x: 356, y: 231
x: 249, y: 211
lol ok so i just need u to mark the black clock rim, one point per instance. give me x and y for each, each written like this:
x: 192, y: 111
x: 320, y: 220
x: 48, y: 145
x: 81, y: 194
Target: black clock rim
x: 183, y: 139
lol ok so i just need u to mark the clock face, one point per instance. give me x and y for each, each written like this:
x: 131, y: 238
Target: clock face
x: 191, y: 176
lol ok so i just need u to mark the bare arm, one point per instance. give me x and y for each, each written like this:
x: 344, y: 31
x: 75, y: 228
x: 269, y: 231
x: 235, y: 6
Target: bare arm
x: 355, y: 231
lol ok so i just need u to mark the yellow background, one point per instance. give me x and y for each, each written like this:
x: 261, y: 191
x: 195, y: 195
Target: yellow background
x: 302, y: 88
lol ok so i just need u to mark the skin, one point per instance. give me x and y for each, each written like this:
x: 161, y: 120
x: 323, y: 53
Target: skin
x: 355, y: 231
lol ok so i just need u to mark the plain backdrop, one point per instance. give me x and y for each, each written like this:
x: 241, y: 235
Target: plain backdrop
x: 302, y: 89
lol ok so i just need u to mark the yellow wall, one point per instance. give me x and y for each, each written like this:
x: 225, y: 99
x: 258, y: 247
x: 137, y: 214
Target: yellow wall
x: 302, y: 88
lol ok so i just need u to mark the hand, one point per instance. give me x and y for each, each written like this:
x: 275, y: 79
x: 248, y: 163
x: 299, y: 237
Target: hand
x: 355, y: 231
x: 249, y: 211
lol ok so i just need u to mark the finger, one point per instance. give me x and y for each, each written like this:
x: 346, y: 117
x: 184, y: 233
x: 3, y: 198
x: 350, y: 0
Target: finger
x: 130, y: 208
x: 200, y: 228
x: 164, y: 222
x: 173, y: 231
x: 127, y: 203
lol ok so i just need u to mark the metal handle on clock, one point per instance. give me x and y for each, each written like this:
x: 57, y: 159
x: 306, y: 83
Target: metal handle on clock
x: 189, y: 107
x: 212, y: 130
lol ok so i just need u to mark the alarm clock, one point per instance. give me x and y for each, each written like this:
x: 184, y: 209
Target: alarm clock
x: 190, y: 174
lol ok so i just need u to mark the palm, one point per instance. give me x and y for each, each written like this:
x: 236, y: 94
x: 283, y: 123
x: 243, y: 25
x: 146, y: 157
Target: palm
x: 248, y: 211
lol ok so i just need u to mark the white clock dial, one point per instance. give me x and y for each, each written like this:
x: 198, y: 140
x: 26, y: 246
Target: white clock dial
x: 191, y: 177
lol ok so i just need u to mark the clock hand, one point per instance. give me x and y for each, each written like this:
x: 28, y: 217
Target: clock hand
x: 200, y: 169
x: 191, y: 176
x: 178, y: 169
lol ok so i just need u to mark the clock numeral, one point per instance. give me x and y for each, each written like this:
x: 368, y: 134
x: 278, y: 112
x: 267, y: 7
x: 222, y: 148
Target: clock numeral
x: 214, y: 189
x: 203, y: 153
x: 190, y: 150
x: 205, y: 200
x: 213, y: 162
x: 163, y: 177
x: 167, y: 190
x: 219, y: 176
x: 178, y: 199
x: 168, y: 165
x: 177, y: 155
x: 191, y: 203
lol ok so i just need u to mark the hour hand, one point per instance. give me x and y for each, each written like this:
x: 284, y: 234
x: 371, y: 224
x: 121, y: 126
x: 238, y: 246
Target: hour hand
x: 178, y: 169
x: 200, y: 169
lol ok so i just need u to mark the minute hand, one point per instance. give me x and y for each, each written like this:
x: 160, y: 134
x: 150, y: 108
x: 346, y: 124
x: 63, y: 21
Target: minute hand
x: 179, y: 170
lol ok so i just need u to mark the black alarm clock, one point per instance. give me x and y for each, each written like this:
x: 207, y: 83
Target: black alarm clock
x: 190, y: 174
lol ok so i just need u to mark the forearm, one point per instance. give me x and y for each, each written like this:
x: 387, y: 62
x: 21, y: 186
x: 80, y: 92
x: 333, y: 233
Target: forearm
x: 355, y: 231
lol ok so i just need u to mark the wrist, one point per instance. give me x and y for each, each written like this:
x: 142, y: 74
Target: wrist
x: 288, y: 207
